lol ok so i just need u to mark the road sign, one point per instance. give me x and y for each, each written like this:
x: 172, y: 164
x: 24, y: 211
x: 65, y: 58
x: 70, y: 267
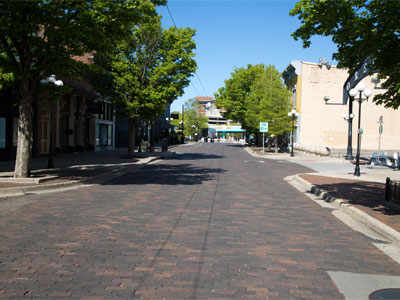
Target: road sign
x: 361, y: 72
x: 263, y: 126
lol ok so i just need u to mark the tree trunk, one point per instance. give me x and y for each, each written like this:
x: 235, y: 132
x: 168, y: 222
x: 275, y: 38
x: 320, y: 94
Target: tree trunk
x: 25, y: 132
x: 132, y: 123
x: 276, y: 144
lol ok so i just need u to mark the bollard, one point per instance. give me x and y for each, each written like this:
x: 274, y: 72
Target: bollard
x: 387, y: 192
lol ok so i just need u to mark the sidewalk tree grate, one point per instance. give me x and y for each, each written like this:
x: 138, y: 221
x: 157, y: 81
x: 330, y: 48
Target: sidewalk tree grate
x: 385, y: 294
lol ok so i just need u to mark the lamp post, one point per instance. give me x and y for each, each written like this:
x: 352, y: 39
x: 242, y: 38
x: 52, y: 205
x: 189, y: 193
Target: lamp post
x: 380, y: 122
x: 294, y: 114
x: 52, y: 79
x: 349, y: 119
x: 169, y: 130
x: 182, y: 123
x: 349, y: 154
x: 193, y: 129
x: 360, y: 88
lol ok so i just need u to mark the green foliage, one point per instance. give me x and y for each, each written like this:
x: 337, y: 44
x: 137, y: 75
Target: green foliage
x: 360, y: 29
x: 268, y: 101
x: 192, y: 117
x: 40, y: 38
x: 232, y: 97
x: 151, y: 68
x: 255, y: 94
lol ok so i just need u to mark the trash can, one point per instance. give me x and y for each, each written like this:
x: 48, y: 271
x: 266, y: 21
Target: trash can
x: 164, y: 145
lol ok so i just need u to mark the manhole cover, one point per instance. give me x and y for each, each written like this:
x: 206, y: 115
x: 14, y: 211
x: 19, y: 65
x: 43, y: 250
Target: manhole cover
x: 385, y: 294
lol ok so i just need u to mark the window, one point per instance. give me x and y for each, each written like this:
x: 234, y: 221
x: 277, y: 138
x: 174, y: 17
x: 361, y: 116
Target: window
x: 108, y: 112
x: 97, y: 134
x: 2, y: 133
x: 109, y: 137
x: 104, y: 135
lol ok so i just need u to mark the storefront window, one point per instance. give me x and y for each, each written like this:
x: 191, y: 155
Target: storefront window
x: 109, y: 135
x: 103, y: 135
x: 2, y: 133
x: 97, y: 134
x: 107, y: 113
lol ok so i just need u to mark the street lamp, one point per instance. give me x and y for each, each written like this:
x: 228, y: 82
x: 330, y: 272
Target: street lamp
x: 348, y: 118
x: 194, y: 128
x: 294, y: 114
x: 360, y: 88
x: 169, y: 129
x: 182, y: 123
x: 51, y: 79
x: 380, y: 122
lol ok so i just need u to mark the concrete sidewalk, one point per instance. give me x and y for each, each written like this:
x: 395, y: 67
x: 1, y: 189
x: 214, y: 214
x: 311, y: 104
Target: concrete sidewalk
x: 363, y: 198
x: 74, y: 169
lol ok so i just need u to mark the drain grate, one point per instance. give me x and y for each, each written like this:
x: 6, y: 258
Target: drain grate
x: 385, y: 294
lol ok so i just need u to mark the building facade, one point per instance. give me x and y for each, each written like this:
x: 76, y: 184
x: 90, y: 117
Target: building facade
x: 8, y: 125
x: 79, y: 121
x: 208, y: 109
x: 324, y: 123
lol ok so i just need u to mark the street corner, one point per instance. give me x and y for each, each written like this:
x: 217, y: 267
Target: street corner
x: 362, y: 201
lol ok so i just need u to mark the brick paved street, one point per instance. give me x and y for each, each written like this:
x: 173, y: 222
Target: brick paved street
x: 213, y: 223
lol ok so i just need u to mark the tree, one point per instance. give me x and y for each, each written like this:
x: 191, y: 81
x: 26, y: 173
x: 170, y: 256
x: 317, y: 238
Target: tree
x: 360, y: 29
x: 150, y: 69
x: 232, y: 97
x: 268, y: 101
x: 39, y: 38
x: 193, y: 120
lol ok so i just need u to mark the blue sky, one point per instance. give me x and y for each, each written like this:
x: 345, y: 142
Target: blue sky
x: 234, y: 33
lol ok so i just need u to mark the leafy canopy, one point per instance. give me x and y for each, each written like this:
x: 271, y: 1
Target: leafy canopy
x: 232, y: 97
x: 255, y: 94
x: 360, y: 29
x: 268, y: 101
x: 151, y: 68
x: 39, y: 38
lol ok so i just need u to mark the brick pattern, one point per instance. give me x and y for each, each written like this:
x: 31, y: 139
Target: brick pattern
x: 214, y: 223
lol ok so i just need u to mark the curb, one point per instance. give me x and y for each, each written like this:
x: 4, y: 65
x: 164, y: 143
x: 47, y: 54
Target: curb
x: 101, y: 178
x: 358, y: 215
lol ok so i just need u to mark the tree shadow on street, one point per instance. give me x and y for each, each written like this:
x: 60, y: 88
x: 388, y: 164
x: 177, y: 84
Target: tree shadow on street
x: 194, y: 156
x: 184, y: 174
x: 367, y: 194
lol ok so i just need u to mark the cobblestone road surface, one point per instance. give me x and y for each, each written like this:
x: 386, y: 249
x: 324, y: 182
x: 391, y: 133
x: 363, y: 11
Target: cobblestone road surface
x: 213, y: 223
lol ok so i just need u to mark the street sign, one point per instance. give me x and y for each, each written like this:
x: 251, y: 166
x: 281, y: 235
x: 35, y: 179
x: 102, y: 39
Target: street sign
x: 263, y: 126
x: 361, y: 72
